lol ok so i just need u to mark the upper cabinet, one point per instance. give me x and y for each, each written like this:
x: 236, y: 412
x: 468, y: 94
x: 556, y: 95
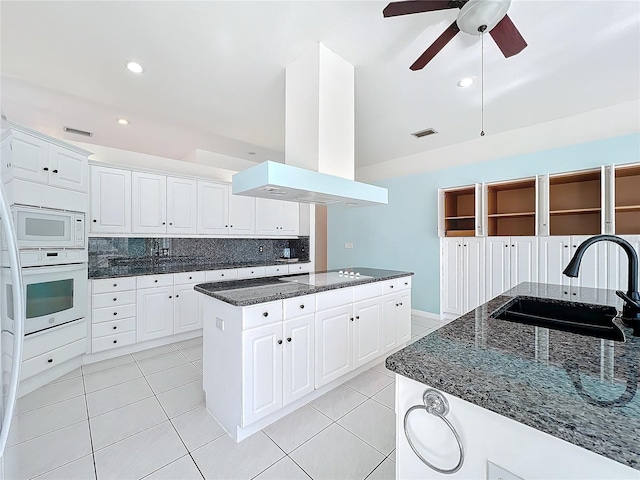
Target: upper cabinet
x: 149, y: 203
x: 38, y: 160
x: 627, y: 199
x: 242, y: 214
x: 511, y: 208
x: 461, y: 212
x: 220, y: 212
x: 275, y: 217
x: 110, y: 200
x: 181, y: 205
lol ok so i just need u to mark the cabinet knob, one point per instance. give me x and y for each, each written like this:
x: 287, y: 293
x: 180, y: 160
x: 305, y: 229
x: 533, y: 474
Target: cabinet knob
x: 115, y: 299
x: 50, y: 360
x: 115, y: 341
x: 357, y: 317
x: 177, y: 296
x: 351, y: 319
x: 115, y: 284
x: 231, y: 226
x: 222, y: 274
x: 156, y: 281
x: 226, y: 225
x: 566, y: 246
x: 265, y: 314
x: 55, y: 171
x: 397, y: 305
x: 95, y: 221
x: 406, y: 283
x: 513, y: 245
x: 164, y: 223
x: 400, y: 303
x: 190, y: 278
x: 46, y: 169
x: 115, y: 313
x: 506, y: 246
x: 115, y: 327
x: 288, y: 339
x: 301, y: 306
x: 170, y: 296
x: 279, y: 342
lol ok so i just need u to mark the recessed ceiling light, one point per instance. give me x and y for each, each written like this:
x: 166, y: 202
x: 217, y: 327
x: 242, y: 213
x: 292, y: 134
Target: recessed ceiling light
x: 466, y: 82
x: 134, y: 67
x: 251, y: 153
x: 123, y: 121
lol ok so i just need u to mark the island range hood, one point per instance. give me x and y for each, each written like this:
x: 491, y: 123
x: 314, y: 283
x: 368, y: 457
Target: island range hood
x: 319, y: 151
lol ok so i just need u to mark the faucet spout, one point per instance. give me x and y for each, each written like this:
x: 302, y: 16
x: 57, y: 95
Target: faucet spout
x: 631, y: 310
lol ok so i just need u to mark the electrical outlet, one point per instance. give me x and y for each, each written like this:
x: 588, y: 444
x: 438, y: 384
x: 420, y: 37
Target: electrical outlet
x: 348, y: 245
x: 261, y: 249
x: 496, y: 472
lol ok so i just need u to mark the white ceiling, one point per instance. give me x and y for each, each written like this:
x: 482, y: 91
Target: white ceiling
x: 214, y: 75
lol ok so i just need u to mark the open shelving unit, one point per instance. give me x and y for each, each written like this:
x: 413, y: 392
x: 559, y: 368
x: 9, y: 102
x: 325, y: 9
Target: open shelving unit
x: 460, y: 212
x: 575, y: 203
x: 627, y: 200
x: 511, y: 208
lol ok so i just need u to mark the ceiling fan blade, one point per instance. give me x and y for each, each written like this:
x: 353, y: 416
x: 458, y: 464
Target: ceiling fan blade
x: 395, y: 9
x: 435, y: 47
x: 507, y: 37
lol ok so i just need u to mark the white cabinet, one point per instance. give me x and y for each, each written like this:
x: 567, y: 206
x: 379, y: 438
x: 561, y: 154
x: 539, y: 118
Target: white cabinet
x: 275, y: 217
x: 40, y: 161
x: 154, y: 311
x: 213, y: 208
x: 367, y: 331
x: 149, y: 203
x: 463, y: 274
x: 396, y: 319
x: 242, y: 215
x: 452, y: 275
x: 509, y: 261
x: 553, y: 256
x: 181, y: 205
x: 618, y: 274
x: 262, y: 372
x: 333, y: 344
x: 473, y: 281
x: 110, y: 200
x: 186, y: 309
x: 297, y: 366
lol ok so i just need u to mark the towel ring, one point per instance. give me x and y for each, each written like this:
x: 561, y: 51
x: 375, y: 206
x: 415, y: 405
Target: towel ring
x: 435, y: 404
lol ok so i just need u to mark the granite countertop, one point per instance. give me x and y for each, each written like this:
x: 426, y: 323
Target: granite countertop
x: 151, y: 267
x: 578, y: 388
x: 242, y: 293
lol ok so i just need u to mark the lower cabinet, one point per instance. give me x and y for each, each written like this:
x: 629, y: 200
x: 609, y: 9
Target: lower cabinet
x: 333, y: 344
x: 367, y: 331
x: 154, y: 308
x: 186, y: 309
x: 396, y: 320
x: 297, y: 366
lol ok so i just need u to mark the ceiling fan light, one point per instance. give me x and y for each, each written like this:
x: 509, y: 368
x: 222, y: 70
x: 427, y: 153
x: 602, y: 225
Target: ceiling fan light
x: 479, y: 13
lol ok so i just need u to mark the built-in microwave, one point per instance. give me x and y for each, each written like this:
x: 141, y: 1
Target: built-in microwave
x: 44, y: 228
x: 53, y: 295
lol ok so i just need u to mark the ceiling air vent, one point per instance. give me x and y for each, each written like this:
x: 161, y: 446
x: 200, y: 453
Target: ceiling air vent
x: 424, y: 133
x: 78, y: 132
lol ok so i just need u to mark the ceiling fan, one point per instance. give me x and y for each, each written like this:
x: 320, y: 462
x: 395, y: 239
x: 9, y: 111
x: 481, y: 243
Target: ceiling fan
x: 475, y: 18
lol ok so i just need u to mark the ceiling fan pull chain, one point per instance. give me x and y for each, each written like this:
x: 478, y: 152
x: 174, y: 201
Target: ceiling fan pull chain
x: 482, y: 86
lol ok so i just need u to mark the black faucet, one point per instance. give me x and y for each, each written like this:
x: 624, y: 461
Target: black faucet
x: 631, y: 309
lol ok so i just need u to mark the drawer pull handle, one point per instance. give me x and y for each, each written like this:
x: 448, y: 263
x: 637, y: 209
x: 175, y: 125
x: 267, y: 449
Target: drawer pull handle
x: 390, y: 286
x: 46, y: 169
x: 279, y: 342
x: 115, y: 341
x: 55, y: 171
x: 115, y: 313
x: 115, y: 328
x: 222, y: 274
x: 301, y: 306
x: 265, y: 314
x: 288, y: 339
x: 50, y: 360
x: 406, y: 283
x: 190, y: 278
x: 435, y: 404
x: 156, y: 281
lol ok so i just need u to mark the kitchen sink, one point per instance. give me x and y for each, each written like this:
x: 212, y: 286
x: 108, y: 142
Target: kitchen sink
x: 580, y: 318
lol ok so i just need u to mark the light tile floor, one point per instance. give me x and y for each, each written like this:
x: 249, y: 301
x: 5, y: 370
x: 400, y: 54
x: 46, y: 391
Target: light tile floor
x: 143, y: 416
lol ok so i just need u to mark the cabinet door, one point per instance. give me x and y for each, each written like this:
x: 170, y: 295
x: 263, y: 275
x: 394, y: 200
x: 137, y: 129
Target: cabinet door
x: 390, y: 329
x: 213, y: 208
x: 187, y: 315
x: 68, y: 169
x: 333, y: 344
x: 593, y: 268
x: 367, y: 331
x: 261, y: 372
x: 553, y: 257
x: 242, y: 215
x: 618, y: 272
x: 473, y: 289
x: 497, y: 266
x: 30, y: 159
x: 268, y: 216
x: 154, y: 311
x: 524, y: 260
x: 290, y: 224
x: 110, y: 200
x: 404, y: 317
x: 149, y: 203
x: 452, y: 276
x: 181, y: 205
x: 297, y: 367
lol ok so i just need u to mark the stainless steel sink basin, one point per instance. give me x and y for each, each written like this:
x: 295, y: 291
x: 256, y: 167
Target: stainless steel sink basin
x: 580, y: 318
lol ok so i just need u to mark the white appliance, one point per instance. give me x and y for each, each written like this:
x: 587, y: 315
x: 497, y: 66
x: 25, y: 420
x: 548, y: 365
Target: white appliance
x: 53, y: 295
x: 44, y: 228
x: 12, y: 329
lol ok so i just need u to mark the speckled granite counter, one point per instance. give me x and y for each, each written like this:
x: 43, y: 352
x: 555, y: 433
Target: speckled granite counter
x: 242, y: 293
x: 158, y: 267
x: 578, y: 388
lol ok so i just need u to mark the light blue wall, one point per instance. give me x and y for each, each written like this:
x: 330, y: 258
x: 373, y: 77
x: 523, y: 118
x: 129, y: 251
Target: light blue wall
x: 402, y: 235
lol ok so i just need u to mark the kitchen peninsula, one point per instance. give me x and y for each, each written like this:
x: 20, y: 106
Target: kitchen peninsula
x: 272, y: 345
x: 538, y: 402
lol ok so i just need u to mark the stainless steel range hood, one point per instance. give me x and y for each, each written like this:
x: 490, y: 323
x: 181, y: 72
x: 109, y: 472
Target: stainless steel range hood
x: 319, y: 139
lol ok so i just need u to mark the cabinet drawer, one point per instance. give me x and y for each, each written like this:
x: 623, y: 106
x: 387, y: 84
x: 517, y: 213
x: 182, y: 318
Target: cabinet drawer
x: 298, y: 306
x: 113, y: 299
x: 112, y: 313
x: 334, y: 298
x: 299, y: 267
x: 390, y: 286
x: 369, y: 290
x: 404, y: 283
x: 113, y: 327
x: 276, y: 270
x: 262, y: 314
x: 105, y: 285
x: 251, y: 272
x: 188, y: 277
x: 150, y: 281
x: 52, y: 358
x: 221, y: 275
x: 56, y: 337
x: 113, y: 341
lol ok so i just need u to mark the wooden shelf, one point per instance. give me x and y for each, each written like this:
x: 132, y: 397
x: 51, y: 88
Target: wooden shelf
x: 627, y: 199
x: 507, y: 215
x: 575, y: 211
x: 459, y: 212
x: 628, y: 208
x: 511, y: 208
x: 464, y: 217
x: 460, y: 233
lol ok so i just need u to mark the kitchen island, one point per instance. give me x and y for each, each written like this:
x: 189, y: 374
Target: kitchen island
x: 271, y: 345
x: 538, y: 402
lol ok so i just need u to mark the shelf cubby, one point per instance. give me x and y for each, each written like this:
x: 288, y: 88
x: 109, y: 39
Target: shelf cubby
x: 575, y: 203
x: 627, y: 200
x: 459, y: 212
x: 511, y: 208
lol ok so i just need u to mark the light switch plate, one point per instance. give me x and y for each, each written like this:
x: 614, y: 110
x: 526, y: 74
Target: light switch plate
x: 348, y: 245
x: 220, y: 323
x: 496, y: 472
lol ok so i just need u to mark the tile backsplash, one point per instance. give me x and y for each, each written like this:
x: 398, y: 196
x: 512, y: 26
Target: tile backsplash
x: 110, y: 251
